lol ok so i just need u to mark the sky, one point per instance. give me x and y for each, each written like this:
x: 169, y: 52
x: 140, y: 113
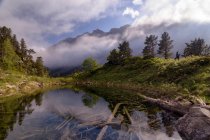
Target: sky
x: 44, y: 23
x: 49, y: 21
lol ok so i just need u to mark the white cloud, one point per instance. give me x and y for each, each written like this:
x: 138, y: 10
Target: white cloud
x: 36, y: 19
x: 174, y: 11
x: 74, y: 54
x: 137, y: 2
x: 131, y: 12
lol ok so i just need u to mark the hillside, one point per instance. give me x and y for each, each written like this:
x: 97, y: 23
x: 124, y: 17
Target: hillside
x: 187, y: 75
x: 20, y: 72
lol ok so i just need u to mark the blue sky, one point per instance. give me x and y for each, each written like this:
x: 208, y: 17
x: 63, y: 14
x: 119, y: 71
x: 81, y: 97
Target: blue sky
x: 104, y: 24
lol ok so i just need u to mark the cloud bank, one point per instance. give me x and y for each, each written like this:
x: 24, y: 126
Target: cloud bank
x: 184, y: 20
x: 35, y: 20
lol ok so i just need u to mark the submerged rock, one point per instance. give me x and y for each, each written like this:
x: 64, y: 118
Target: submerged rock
x: 195, y: 125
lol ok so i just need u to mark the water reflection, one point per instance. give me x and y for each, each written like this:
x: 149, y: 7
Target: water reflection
x: 65, y: 114
x: 89, y: 99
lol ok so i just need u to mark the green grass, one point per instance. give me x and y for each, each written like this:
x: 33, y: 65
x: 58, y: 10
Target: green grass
x: 13, y: 82
x: 188, y: 75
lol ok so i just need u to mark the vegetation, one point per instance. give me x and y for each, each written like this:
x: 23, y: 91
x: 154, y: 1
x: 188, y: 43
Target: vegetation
x: 89, y: 64
x: 119, y: 56
x: 15, y: 55
x: 165, y: 46
x: 189, y: 75
x: 19, y: 73
x: 150, y: 45
x: 197, y: 47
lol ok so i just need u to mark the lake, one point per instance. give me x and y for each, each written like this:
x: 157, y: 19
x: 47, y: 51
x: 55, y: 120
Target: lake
x: 88, y: 114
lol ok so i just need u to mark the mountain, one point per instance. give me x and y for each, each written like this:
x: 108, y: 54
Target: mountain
x: 72, y: 43
x: 94, y: 33
x: 71, y: 52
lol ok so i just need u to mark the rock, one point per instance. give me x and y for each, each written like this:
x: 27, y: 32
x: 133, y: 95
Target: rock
x: 195, y: 125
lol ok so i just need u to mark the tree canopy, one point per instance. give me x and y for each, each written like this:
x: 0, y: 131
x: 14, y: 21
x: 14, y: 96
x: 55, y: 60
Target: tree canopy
x: 89, y: 64
x: 15, y: 55
x: 118, y: 56
x: 150, y: 44
x: 165, y: 46
x: 196, y: 47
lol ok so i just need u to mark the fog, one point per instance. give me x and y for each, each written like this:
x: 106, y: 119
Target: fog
x: 72, y: 54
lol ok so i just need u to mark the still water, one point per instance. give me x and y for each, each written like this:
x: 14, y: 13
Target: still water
x: 66, y: 114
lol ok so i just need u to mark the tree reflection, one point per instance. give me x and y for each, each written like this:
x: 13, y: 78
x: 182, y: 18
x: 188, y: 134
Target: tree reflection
x: 90, y: 100
x: 14, y: 110
x: 38, y: 99
x: 167, y: 121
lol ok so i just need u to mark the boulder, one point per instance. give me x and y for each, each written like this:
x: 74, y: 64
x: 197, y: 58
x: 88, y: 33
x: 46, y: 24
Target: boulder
x: 195, y: 125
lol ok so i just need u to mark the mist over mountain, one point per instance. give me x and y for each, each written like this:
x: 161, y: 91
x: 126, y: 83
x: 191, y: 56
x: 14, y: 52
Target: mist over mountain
x: 70, y: 52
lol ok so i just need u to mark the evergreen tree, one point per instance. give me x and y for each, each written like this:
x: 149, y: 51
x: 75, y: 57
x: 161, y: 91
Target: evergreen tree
x: 124, y: 51
x: 16, y: 56
x: 196, y: 47
x: 165, y: 45
x: 16, y: 45
x: 113, y: 57
x: 40, y: 67
x: 150, y: 44
x: 119, y: 56
x: 23, y: 50
x: 10, y: 59
x: 5, y: 33
x: 206, y: 50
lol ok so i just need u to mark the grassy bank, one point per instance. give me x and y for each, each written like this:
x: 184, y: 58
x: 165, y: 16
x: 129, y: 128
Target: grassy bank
x: 187, y: 76
x: 13, y: 83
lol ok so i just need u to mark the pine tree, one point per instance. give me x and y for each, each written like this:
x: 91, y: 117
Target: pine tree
x: 150, y: 44
x: 206, y: 50
x: 165, y: 45
x: 23, y: 50
x: 124, y: 51
x: 16, y: 56
x: 10, y: 59
x: 196, y: 47
x: 5, y: 33
x: 40, y: 66
x: 16, y: 45
x: 113, y: 58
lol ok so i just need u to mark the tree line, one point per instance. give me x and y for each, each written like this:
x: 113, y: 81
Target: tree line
x: 15, y: 55
x: 196, y: 47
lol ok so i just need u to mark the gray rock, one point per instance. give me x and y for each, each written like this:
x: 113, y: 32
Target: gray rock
x: 195, y: 125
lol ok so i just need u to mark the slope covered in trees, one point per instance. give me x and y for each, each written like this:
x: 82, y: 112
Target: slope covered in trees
x: 15, y: 55
x: 19, y: 71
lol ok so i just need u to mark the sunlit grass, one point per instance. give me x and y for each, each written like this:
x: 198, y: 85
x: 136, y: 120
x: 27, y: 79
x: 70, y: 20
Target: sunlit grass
x: 189, y: 75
